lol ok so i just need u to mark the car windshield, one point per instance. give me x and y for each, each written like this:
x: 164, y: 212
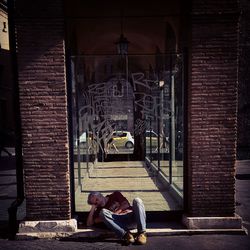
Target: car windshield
x: 119, y: 134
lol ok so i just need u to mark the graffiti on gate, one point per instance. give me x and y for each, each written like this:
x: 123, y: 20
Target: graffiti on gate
x: 100, y: 102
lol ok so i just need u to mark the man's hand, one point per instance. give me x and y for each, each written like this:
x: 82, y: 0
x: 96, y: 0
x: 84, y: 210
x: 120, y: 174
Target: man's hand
x: 123, y: 208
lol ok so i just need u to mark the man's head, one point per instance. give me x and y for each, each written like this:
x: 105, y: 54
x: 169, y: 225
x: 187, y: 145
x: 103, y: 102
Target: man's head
x: 96, y: 198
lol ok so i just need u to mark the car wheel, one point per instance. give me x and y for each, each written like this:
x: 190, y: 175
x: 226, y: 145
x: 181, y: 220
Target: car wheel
x: 129, y: 144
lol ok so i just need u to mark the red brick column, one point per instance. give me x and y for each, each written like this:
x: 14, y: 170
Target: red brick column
x: 212, y: 108
x: 43, y: 102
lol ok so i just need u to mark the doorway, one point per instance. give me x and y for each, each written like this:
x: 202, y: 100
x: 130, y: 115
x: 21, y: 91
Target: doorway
x: 127, y: 108
x: 127, y: 113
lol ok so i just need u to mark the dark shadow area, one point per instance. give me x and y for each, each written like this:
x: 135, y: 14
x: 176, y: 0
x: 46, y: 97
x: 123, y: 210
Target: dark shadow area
x: 7, y: 163
x: 8, y: 192
x: 6, y: 175
x: 112, y: 177
x: 80, y: 238
x: 8, y: 200
x: 120, y: 167
x: 120, y: 157
x: 100, y: 233
x: 243, y: 176
x: 6, y: 197
x: 4, y: 231
x: 8, y: 184
x: 168, y: 219
x: 127, y: 190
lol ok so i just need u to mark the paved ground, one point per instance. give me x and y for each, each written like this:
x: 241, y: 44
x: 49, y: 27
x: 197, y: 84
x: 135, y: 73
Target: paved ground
x: 132, y: 178
x: 183, y: 242
x: 243, y: 192
x: 197, y: 242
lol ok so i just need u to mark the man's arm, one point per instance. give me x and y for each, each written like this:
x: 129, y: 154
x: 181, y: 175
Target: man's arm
x: 91, y: 220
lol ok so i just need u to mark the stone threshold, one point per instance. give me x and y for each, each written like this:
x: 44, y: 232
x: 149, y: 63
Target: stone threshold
x: 104, y: 234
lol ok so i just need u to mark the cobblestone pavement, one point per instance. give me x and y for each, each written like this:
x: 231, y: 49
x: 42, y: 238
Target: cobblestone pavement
x: 195, y: 242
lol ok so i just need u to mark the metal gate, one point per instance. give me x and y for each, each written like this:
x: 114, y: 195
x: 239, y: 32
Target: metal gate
x: 128, y: 109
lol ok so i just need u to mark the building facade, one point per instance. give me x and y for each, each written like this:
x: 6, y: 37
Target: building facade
x: 7, y: 126
x: 178, y: 79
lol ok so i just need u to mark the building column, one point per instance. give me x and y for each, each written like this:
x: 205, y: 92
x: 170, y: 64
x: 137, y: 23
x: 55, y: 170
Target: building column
x: 212, y: 115
x: 43, y: 105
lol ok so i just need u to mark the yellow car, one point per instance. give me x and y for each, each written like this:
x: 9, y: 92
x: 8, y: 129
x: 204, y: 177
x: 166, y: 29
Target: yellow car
x: 123, y: 139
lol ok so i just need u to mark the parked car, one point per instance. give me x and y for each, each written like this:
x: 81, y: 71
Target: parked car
x: 123, y: 139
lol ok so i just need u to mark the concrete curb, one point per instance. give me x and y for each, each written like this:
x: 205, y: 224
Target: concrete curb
x: 48, y: 226
x: 232, y: 222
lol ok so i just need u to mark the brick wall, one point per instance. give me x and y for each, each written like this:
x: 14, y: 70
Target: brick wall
x: 43, y: 104
x: 243, y: 150
x: 212, y: 106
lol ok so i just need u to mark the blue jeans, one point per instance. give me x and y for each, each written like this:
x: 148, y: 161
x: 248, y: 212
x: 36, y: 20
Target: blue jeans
x: 121, y: 223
